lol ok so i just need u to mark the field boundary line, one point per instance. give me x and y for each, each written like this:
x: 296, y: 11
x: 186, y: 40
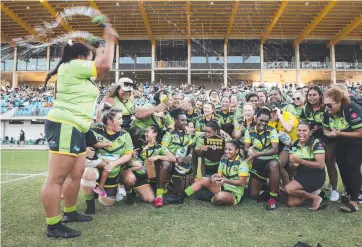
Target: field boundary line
x: 18, y: 174
x: 26, y: 177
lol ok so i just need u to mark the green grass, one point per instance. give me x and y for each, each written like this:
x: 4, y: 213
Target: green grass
x: 192, y: 224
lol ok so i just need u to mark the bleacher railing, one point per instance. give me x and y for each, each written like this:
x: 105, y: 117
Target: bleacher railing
x: 171, y: 64
x: 243, y: 65
x: 345, y: 65
x: 279, y: 65
x: 315, y: 65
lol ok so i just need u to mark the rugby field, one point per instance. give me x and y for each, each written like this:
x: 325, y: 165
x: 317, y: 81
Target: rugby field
x: 192, y: 224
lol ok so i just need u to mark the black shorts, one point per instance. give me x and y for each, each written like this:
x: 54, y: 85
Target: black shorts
x: 141, y: 179
x: 211, y: 170
x: 259, y: 170
x: 64, y: 139
x: 311, y: 180
x: 111, y: 182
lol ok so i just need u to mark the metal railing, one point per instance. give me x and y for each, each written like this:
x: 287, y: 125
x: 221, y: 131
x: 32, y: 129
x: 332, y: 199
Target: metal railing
x: 279, y: 65
x: 132, y: 66
x: 207, y: 65
x: 171, y: 64
x: 243, y: 65
x: 346, y: 65
x: 315, y: 65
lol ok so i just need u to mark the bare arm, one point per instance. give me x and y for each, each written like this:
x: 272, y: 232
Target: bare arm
x: 102, y: 144
x: 272, y: 151
x: 147, y: 112
x: 123, y: 159
x: 287, y: 126
x: 355, y: 134
x: 104, y: 61
x: 318, y: 163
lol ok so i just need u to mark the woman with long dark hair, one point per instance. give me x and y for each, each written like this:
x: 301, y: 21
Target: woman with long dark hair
x: 65, y: 128
x: 312, y: 113
x: 120, y: 96
x: 342, y: 121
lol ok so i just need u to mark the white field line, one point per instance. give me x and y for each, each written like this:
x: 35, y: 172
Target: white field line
x: 18, y: 174
x: 26, y: 177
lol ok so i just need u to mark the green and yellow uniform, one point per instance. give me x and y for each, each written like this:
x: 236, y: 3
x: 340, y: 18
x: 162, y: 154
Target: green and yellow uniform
x: 310, y: 178
x: 315, y: 119
x: 128, y: 111
x: 227, y: 117
x: 121, y: 145
x: 147, y: 152
x: 191, y: 117
x: 178, y: 143
x: 290, y: 118
x: 261, y: 141
x: 201, y: 121
x: 72, y: 114
x: 293, y: 109
x: 232, y: 170
x: 161, y: 122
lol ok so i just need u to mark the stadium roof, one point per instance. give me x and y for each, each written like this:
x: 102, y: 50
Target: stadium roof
x: 331, y: 21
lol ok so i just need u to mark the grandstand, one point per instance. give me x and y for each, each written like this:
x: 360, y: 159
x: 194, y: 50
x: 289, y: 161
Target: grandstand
x: 209, y: 43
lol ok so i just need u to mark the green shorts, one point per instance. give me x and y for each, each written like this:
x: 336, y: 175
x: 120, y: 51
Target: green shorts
x: 237, y: 197
x: 64, y: 138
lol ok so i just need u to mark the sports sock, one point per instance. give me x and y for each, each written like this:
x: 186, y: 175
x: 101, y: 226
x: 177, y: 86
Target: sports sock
x: 159, y: 192
x: 70, y: 209
x: 189, y: 191
x: 53, y: 220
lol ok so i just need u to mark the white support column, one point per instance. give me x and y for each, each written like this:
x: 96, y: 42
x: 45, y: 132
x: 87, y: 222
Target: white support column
x: 14, y: 83
x: 225, y: 65
x: 189, y: 62
x: 117, y: 63
x: 333, y: 63
x: 48, y: 59
x: 297, y: 64
x: 261, y: 63
x: 153, y: 63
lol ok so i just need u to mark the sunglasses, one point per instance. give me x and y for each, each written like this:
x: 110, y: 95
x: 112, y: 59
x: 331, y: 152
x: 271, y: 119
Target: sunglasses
x: 328, y: 106
x: 297, y: 98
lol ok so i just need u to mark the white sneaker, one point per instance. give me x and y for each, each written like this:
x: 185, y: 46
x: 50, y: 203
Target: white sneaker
x: 119, y: 197
x: 334, y: 196
x: 122, y: 191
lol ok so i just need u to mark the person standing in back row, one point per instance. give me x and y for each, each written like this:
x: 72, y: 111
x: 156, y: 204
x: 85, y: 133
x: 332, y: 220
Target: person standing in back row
x: 342, y: 121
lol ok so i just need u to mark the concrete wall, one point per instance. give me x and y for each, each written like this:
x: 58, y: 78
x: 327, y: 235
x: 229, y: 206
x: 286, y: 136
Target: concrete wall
x: 32, y: 131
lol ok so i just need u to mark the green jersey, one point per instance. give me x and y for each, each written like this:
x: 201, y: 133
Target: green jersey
x: 228, y: 117
x: 200, y: 122
x: 232, y: 170
x: 75, y: 94
x: 128, y: 111
x: 293, y: 109
x: 262, y: 141
x: 149, y: 151
x: 177, y: 142
x: 315, y: 118
x: 161, y: 122
x: 121, y: 145
x: 307, y: 152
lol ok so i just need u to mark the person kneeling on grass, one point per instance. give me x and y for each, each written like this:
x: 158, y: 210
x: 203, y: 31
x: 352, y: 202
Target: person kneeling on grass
x: 152, y: 152
x: 262, y: 145
x: 116, y: 156
x: 229, y: 181
x: 308, y: 156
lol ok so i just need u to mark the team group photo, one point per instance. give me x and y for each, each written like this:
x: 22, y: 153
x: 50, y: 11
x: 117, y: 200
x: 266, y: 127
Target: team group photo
x: 181, y: 123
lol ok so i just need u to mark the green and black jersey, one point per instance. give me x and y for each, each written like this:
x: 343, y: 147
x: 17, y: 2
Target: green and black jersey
x: 201, y: 121
x: 177, y: 142
x: 293, y: 109
x: 121, y: 145
x: 262, y: 141
x: 128, y: 111
x: 232, y: 170
x: 308, y: 115
x: 308, y: 152
x: 149, y: 151
x: 348, y: 119
x: 191, y: 117
x: 228, y: 116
